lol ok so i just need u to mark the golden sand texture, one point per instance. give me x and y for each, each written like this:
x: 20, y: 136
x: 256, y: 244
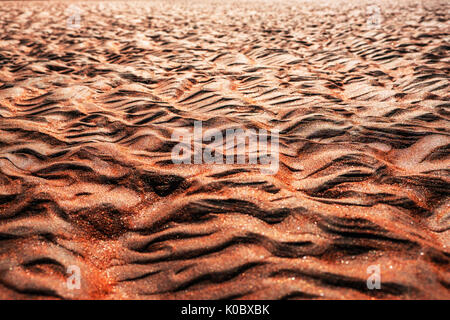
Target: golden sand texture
x: 87, y: 111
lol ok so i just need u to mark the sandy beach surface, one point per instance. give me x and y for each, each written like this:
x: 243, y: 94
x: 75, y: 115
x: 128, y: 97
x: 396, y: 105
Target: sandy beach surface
x: 91, y: 94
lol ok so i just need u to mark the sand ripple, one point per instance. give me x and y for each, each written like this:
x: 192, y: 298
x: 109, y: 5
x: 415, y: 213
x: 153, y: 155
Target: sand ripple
x: 86, y: 178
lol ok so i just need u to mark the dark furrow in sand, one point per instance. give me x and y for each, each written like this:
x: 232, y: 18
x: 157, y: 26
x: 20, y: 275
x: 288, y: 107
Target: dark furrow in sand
x: 87, y: 180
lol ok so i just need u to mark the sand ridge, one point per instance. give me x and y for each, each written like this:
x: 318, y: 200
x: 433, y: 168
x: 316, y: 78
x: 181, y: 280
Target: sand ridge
x: 86, y: 177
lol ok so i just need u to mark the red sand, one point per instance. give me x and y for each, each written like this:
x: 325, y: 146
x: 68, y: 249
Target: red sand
x: 86, y: 178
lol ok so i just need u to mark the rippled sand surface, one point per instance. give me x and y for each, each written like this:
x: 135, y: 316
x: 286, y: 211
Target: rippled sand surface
x: 87, y: 180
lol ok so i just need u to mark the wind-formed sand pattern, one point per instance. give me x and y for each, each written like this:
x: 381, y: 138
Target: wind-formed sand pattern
x: 88, y: 107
